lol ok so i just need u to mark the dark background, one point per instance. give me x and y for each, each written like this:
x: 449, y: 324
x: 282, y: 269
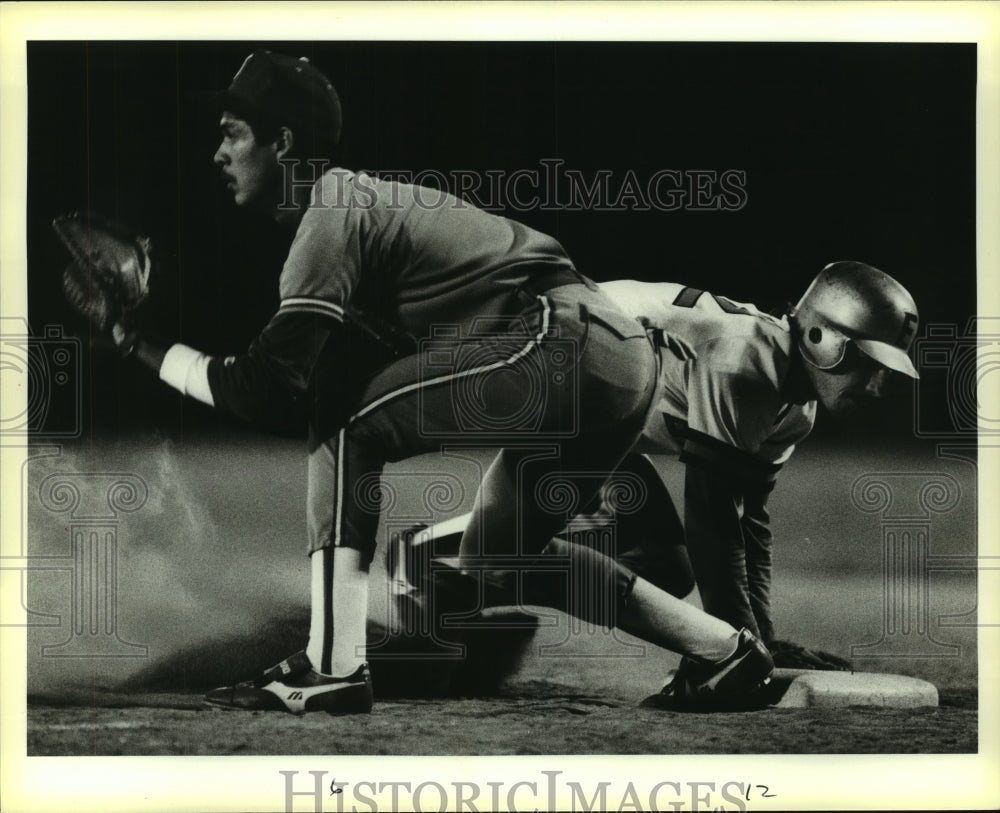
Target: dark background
x: 851, y: 151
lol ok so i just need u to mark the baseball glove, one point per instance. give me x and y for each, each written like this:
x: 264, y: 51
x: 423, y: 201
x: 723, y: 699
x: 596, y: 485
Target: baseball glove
x: 794, y: 656
x: 109, y: 275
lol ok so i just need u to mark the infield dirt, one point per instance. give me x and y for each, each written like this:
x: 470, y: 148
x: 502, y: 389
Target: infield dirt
x: 213, y: 563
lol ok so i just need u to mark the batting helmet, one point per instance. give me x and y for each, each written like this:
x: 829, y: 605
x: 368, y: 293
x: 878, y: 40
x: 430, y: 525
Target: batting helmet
x: 853, y: 302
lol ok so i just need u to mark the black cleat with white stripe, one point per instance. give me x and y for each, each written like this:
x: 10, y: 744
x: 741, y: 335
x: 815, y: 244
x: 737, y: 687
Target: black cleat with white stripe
x: 737, y: 683
x: 294, y: 686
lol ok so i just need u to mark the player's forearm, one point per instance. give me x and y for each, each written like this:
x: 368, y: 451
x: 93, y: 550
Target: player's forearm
x: 180, y: 366
x: 723, y: 586
x: 239, y: 386
x: 717, y: 548
x: 760, y: 605
x: 758, y: 539
x: 263, y: 386
x: 252, y: 389
x: 148, y: 352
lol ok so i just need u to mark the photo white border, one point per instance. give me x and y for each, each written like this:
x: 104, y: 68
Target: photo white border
x: 801, y: 782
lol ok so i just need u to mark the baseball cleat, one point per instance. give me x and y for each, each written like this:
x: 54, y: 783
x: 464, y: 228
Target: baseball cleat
x: 294, y: 686
x: 733, y: 684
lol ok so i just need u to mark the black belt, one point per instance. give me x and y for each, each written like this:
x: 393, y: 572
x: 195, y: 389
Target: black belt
x: 548, y: 279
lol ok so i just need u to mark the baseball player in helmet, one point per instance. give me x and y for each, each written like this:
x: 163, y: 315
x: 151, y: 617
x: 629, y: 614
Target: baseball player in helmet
x: 738, y: 390
x: 503, y: 305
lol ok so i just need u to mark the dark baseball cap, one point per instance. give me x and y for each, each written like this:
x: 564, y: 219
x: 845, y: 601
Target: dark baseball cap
x: 285, y: 90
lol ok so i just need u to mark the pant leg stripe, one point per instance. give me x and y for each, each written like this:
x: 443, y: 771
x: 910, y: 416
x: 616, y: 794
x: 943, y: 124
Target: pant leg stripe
x: 338, y: 507
x: 326, y: 657
x: 444, y: 379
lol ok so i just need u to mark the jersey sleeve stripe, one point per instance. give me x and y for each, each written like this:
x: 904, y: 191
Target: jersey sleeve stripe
x: 688, y: 297
x: 727, y: 460
x: 301, y: 304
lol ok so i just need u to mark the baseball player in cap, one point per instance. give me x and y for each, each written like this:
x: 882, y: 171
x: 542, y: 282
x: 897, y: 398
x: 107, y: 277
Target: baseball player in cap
x: 503, y: 304
x: 739, y: 389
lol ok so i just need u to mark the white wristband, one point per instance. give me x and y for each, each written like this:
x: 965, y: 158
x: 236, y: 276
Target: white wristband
x: 186, y: 370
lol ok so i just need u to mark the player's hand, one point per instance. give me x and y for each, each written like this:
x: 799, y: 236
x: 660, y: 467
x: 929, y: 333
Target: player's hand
x: 789, y: 655
x: 125, y: 334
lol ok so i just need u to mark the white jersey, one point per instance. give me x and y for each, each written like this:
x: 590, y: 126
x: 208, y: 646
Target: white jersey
x: 723, y: 364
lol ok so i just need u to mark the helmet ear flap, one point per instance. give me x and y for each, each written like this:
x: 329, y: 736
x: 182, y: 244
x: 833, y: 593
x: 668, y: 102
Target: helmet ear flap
x: 822, y: 345
x: 851, y: 301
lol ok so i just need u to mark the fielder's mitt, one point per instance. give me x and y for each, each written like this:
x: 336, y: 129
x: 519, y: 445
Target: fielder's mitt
x: 109, y: 274
x: 794, y: 656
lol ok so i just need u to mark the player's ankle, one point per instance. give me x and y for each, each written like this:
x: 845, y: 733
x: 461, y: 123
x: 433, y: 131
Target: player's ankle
x: 729, y: 649
x: 342, y: 668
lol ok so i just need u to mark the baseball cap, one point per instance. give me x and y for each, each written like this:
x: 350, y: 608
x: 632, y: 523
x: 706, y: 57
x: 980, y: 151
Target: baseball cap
x: 287, y: 90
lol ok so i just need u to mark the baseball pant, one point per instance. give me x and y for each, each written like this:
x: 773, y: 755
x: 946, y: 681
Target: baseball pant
x: 568, y: 382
